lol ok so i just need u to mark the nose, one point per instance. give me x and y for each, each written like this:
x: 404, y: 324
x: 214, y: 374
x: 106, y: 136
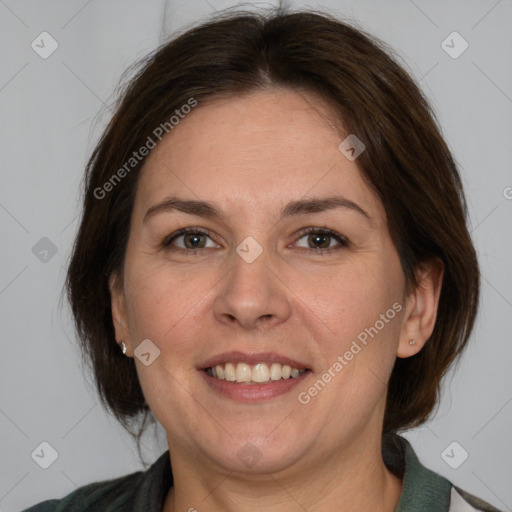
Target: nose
x: 253, y: 295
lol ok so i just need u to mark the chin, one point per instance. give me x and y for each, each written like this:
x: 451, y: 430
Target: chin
x: 256, y: 454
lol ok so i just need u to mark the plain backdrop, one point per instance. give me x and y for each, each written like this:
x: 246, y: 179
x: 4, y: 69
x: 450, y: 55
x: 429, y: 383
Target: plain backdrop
x: 51, y: 112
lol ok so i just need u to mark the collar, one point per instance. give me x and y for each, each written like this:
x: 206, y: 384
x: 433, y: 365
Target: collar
x: 422, y: 489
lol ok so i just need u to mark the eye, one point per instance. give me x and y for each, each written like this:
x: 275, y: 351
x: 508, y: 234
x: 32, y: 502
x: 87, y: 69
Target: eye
x: 320, y: 240
x: 191, y: 239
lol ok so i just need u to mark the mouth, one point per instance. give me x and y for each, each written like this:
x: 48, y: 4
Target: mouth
x: 259, y: 373
x: 253, y: 377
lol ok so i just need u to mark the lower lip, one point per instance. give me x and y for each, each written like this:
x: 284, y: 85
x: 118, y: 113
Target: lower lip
x: 252, y: 392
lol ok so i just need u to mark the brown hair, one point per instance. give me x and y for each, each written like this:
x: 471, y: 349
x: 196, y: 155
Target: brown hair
x: 406, y: 161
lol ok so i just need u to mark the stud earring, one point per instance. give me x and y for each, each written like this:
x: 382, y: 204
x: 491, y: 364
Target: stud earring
x: 123, y: 345
x: 412, y: 342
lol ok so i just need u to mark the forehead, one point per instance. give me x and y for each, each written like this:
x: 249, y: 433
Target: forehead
x: 265, y: 148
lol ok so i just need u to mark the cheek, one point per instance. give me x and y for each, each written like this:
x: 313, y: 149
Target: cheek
x: 167, y: 306
x: 154, y: 302
x: 354, y: 298
x: 362, y: 309
x: 164, y: 306
x: 361, y: 305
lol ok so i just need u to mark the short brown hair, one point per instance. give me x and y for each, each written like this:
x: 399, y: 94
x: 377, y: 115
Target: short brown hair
x: 406, y: 162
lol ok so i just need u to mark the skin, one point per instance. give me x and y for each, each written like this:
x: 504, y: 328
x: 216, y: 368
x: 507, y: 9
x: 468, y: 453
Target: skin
x: 251, y: 155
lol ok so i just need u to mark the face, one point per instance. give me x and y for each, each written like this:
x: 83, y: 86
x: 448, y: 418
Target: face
x: 264, y: 277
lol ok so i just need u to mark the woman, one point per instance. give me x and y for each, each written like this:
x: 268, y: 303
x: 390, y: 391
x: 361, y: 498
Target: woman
x: 273, y: 262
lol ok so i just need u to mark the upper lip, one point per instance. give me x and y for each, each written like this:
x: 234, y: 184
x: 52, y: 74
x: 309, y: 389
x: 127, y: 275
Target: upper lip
x: 251, y: 358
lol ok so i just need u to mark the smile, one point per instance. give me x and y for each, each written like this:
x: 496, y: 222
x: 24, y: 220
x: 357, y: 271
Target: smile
x: 259, y: 373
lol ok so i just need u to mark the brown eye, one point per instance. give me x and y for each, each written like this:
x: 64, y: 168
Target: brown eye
x: 194, y: 240
x: 321, y: 239
x: 189, y: 239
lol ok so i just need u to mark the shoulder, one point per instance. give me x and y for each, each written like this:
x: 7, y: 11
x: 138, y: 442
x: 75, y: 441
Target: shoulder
x: 143, y: 491
x: 108, y: 496
x: 422, y: 488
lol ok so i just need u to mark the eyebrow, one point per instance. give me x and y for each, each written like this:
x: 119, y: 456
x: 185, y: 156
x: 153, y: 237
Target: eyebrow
x: 293, y: 208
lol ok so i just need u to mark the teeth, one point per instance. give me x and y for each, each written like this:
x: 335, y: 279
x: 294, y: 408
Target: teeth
x: 275, y: 371
x: 220, y: 371
x: 243, y: 373
x: 259, y: 373
x: 229, y: 372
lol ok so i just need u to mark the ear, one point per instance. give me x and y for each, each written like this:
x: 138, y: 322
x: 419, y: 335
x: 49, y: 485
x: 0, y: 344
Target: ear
x: 421, y: 308
x: 119, y: 311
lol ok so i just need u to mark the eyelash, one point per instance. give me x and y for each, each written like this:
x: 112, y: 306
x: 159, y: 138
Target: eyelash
x: 344, y: 243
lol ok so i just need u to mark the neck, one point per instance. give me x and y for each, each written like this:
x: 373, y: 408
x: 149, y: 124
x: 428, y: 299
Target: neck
x: 351, y: 479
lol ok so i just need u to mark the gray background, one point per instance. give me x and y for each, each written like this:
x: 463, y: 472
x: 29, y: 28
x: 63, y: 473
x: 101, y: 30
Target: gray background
x: 51, y: 113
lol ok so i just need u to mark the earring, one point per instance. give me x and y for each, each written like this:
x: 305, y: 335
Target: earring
x: 412, y: 342
x: 123, y: 344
